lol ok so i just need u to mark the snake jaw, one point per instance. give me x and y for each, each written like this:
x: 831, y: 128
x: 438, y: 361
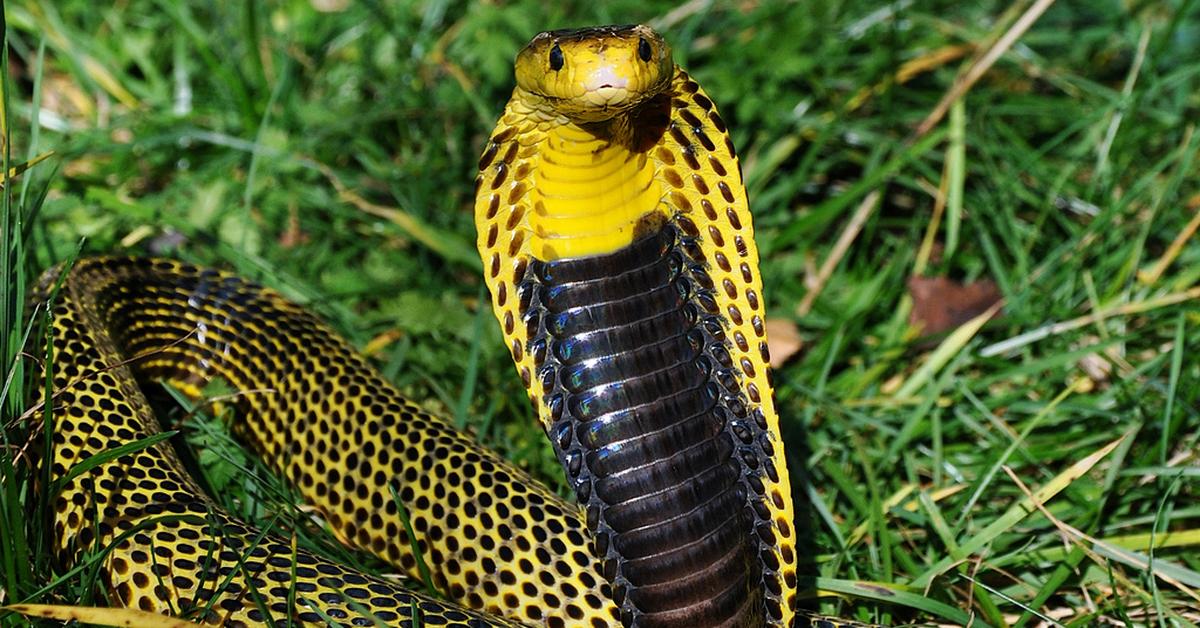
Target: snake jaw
x: 607, y: 96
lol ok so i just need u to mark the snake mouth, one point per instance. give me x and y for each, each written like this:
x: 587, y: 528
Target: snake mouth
x: 607, y: 95
x: 601, y: 103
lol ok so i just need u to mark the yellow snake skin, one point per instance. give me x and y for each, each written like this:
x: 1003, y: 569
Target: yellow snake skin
x: 591, y: 163
x: 495, y: 539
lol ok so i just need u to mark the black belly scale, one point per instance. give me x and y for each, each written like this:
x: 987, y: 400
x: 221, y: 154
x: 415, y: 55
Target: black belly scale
x: 649, y: 420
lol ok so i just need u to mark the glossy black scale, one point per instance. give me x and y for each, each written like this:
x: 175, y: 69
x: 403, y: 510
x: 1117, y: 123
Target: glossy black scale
x: 652, y: 429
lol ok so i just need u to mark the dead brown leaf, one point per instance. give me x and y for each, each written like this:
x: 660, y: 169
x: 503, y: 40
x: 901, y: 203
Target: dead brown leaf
x: 941, y: 304
x: 783, y: 340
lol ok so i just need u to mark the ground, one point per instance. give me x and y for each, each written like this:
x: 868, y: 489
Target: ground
x: 1009, y: 466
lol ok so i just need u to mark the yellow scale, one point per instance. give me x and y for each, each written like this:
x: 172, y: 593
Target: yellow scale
x: 589, y: 195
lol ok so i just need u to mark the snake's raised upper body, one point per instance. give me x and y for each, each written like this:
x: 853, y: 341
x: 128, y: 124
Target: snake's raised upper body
x: 617, y: 245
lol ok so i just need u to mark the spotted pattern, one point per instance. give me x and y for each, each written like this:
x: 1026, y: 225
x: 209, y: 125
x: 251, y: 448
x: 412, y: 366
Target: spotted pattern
x: 495, y: 539
x: 685, y: 141
x: 710, y: 195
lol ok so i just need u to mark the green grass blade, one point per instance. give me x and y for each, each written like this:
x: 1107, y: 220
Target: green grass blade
x: 1016, y: 513
x: 890, y: 594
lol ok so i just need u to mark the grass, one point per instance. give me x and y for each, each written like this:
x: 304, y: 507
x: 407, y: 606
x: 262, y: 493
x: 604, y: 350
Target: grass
x: 1037, y: 467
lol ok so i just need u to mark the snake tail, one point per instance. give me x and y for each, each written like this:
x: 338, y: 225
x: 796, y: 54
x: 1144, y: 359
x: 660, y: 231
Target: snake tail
x: 620, y: 255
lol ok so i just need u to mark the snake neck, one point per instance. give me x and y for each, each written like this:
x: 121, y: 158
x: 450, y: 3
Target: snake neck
x: 591, y: 194
x: 591, y: 185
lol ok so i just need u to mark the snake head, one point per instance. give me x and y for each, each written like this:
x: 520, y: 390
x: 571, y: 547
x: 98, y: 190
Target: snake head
x: 594, y: 74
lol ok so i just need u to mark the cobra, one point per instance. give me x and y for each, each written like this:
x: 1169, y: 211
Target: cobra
x: 618, y: 249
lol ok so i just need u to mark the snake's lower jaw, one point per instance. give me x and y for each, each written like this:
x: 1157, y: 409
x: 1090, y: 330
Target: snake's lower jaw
x: 653, y: 430
x: 599, y: 105
x: 608, y: 96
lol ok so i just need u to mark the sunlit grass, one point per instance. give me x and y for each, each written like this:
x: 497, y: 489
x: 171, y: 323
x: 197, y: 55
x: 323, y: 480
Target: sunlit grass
x: 331, y: 155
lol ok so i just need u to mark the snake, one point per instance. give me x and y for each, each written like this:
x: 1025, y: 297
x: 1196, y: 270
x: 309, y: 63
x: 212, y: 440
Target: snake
x: 617, y: 247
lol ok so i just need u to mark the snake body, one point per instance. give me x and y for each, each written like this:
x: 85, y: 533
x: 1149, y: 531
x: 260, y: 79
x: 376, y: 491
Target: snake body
x: 618, y: 249
x: 319, y: 415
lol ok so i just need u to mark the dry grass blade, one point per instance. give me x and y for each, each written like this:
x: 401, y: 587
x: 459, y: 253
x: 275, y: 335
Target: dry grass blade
x: 100, y: 616
x: 956, y: 91
x: 1052, y: 329
x: 1018, y: 512
x: 1097, y: 550
x: 1151, y: 276
x: 981, y: 66
x: 849, y: 234
x: 20, y: 168
x: 442, y: 243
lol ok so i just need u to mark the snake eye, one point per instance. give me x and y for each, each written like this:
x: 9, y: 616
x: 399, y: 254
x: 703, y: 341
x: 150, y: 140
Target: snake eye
x: 644, y: 51
x: 556, y: 58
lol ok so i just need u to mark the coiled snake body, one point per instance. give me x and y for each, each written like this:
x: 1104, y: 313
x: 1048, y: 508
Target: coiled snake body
x: 618, y: 249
